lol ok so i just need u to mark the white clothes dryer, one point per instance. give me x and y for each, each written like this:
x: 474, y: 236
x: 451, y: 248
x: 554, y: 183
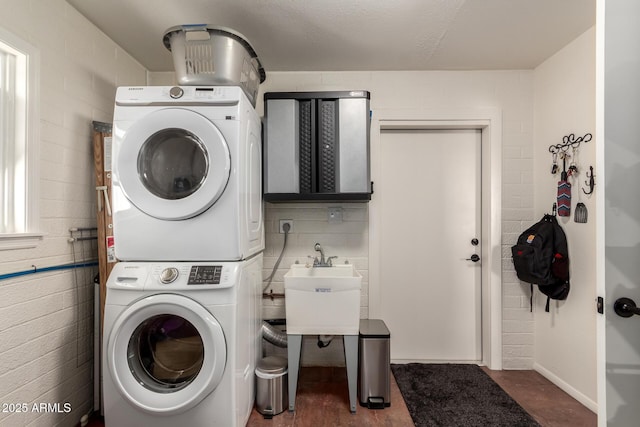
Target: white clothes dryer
x: 181, y: 343
x: 187, y: 174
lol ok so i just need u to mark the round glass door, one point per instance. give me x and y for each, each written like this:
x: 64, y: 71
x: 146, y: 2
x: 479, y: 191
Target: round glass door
x: 172, y: 164
x: 165, y: 353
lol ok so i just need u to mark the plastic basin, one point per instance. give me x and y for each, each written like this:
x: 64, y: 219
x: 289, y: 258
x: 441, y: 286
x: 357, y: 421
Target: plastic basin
x: 322, y: 300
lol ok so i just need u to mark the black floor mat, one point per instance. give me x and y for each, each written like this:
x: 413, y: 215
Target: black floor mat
x: 456, y: 395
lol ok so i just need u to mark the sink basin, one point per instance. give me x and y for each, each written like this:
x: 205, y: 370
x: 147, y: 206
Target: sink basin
x: 322, y: 300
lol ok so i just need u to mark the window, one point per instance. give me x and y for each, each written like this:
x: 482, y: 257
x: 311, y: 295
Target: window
x: 18, y: 143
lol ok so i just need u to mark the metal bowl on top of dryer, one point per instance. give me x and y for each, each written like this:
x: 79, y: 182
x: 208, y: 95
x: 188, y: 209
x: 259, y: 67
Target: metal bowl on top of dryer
x: 210, y: 55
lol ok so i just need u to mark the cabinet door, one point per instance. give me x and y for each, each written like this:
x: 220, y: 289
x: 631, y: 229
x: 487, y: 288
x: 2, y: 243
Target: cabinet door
x: 317, y: 146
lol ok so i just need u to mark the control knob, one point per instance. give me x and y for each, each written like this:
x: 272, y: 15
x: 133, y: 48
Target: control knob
x: 176, y: 92
x: 168, y: 275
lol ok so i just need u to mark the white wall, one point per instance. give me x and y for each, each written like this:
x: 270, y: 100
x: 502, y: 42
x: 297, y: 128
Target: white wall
x: 564, y: 100
x: 44, y: 356
x: 509, y: 91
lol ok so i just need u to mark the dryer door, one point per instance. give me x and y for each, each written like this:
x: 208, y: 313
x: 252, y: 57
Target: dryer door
x: 173, y: 164
x: 166, y: 353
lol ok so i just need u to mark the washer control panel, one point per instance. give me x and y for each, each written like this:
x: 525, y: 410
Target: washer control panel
x: 205, y: 275
x: 174, y: 276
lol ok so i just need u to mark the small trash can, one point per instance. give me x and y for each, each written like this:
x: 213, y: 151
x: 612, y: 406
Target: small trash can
x: 374, y: 364
x: 272, y: 395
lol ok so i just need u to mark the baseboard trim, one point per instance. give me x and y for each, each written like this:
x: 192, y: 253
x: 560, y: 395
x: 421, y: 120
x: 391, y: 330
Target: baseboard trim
x: 571, y: 391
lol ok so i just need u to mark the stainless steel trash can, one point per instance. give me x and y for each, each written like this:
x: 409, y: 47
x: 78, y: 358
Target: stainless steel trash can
x: 272, y: 396
x: 374, y: 364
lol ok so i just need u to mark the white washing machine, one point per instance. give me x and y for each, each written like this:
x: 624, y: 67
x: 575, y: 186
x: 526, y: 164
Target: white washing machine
x: 187, y: 174
x: 181, y: 343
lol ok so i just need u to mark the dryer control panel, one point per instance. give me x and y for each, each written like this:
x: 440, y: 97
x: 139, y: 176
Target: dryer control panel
x: 179, y: 95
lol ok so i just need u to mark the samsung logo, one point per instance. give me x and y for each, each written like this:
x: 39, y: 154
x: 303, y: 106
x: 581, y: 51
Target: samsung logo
x: 136, y: 88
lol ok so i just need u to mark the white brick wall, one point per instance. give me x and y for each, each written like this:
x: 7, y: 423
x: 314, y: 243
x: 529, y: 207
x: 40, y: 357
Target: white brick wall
x: 347, y: 240
x: 45, y: 354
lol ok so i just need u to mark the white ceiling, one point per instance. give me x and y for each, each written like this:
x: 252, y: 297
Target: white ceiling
x: 363, y: 35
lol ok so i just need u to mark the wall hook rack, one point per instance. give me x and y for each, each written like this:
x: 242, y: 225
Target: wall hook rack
x: 591, y: 182
x: 569, y: 141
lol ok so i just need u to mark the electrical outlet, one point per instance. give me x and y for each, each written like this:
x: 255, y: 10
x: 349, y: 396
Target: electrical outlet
x: 286, y: 221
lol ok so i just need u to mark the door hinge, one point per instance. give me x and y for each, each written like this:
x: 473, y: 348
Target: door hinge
x: 600, y: 305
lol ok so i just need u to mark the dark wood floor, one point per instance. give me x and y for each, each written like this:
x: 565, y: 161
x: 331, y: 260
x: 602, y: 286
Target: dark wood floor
x: 322, y: 400
x: 543, y: 400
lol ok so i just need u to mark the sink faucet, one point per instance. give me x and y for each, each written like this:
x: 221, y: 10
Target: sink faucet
x: 322, y: 262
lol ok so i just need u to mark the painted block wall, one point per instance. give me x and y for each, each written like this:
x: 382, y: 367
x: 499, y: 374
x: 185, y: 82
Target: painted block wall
x: 564, y: 99
x: 46, y: 356
x: 348, y: 240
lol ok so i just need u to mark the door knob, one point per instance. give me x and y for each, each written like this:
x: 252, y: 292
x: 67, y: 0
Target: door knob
x: 625, y: 307
x: 474, y: 258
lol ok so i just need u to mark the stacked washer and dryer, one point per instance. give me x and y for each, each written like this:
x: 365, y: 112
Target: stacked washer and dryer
x: 183, y: 308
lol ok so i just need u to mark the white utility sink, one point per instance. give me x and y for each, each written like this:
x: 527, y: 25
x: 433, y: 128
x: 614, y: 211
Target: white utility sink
x: 322, y: 300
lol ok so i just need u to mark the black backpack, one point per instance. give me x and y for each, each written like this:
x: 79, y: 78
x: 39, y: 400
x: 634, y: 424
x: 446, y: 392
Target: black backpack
x: 541, y: 257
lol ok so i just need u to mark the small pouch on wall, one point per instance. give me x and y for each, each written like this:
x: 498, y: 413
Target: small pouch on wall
x: 564, y: 198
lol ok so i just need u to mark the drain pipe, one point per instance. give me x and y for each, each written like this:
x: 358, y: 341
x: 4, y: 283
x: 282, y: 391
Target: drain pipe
x: 279, y: 338
x: 324, y: 340
x: 273, y: 335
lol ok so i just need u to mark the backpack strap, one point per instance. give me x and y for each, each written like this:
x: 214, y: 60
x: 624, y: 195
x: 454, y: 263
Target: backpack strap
x: 546, y: 307
x: 531, y: 299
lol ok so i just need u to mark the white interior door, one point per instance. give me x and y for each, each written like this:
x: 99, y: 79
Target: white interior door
x: 429, y: 189
x: 619, y: 198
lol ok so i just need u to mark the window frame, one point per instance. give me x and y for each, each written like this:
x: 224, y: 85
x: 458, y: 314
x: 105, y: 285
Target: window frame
x: 32, y: 234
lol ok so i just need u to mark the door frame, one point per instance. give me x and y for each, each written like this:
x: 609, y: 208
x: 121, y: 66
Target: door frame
x: 489, y: 122
x: 601, y: 205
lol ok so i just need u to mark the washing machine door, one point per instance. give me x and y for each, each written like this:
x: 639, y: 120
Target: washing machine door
x: 165, y: 353
x: 173, y: 164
